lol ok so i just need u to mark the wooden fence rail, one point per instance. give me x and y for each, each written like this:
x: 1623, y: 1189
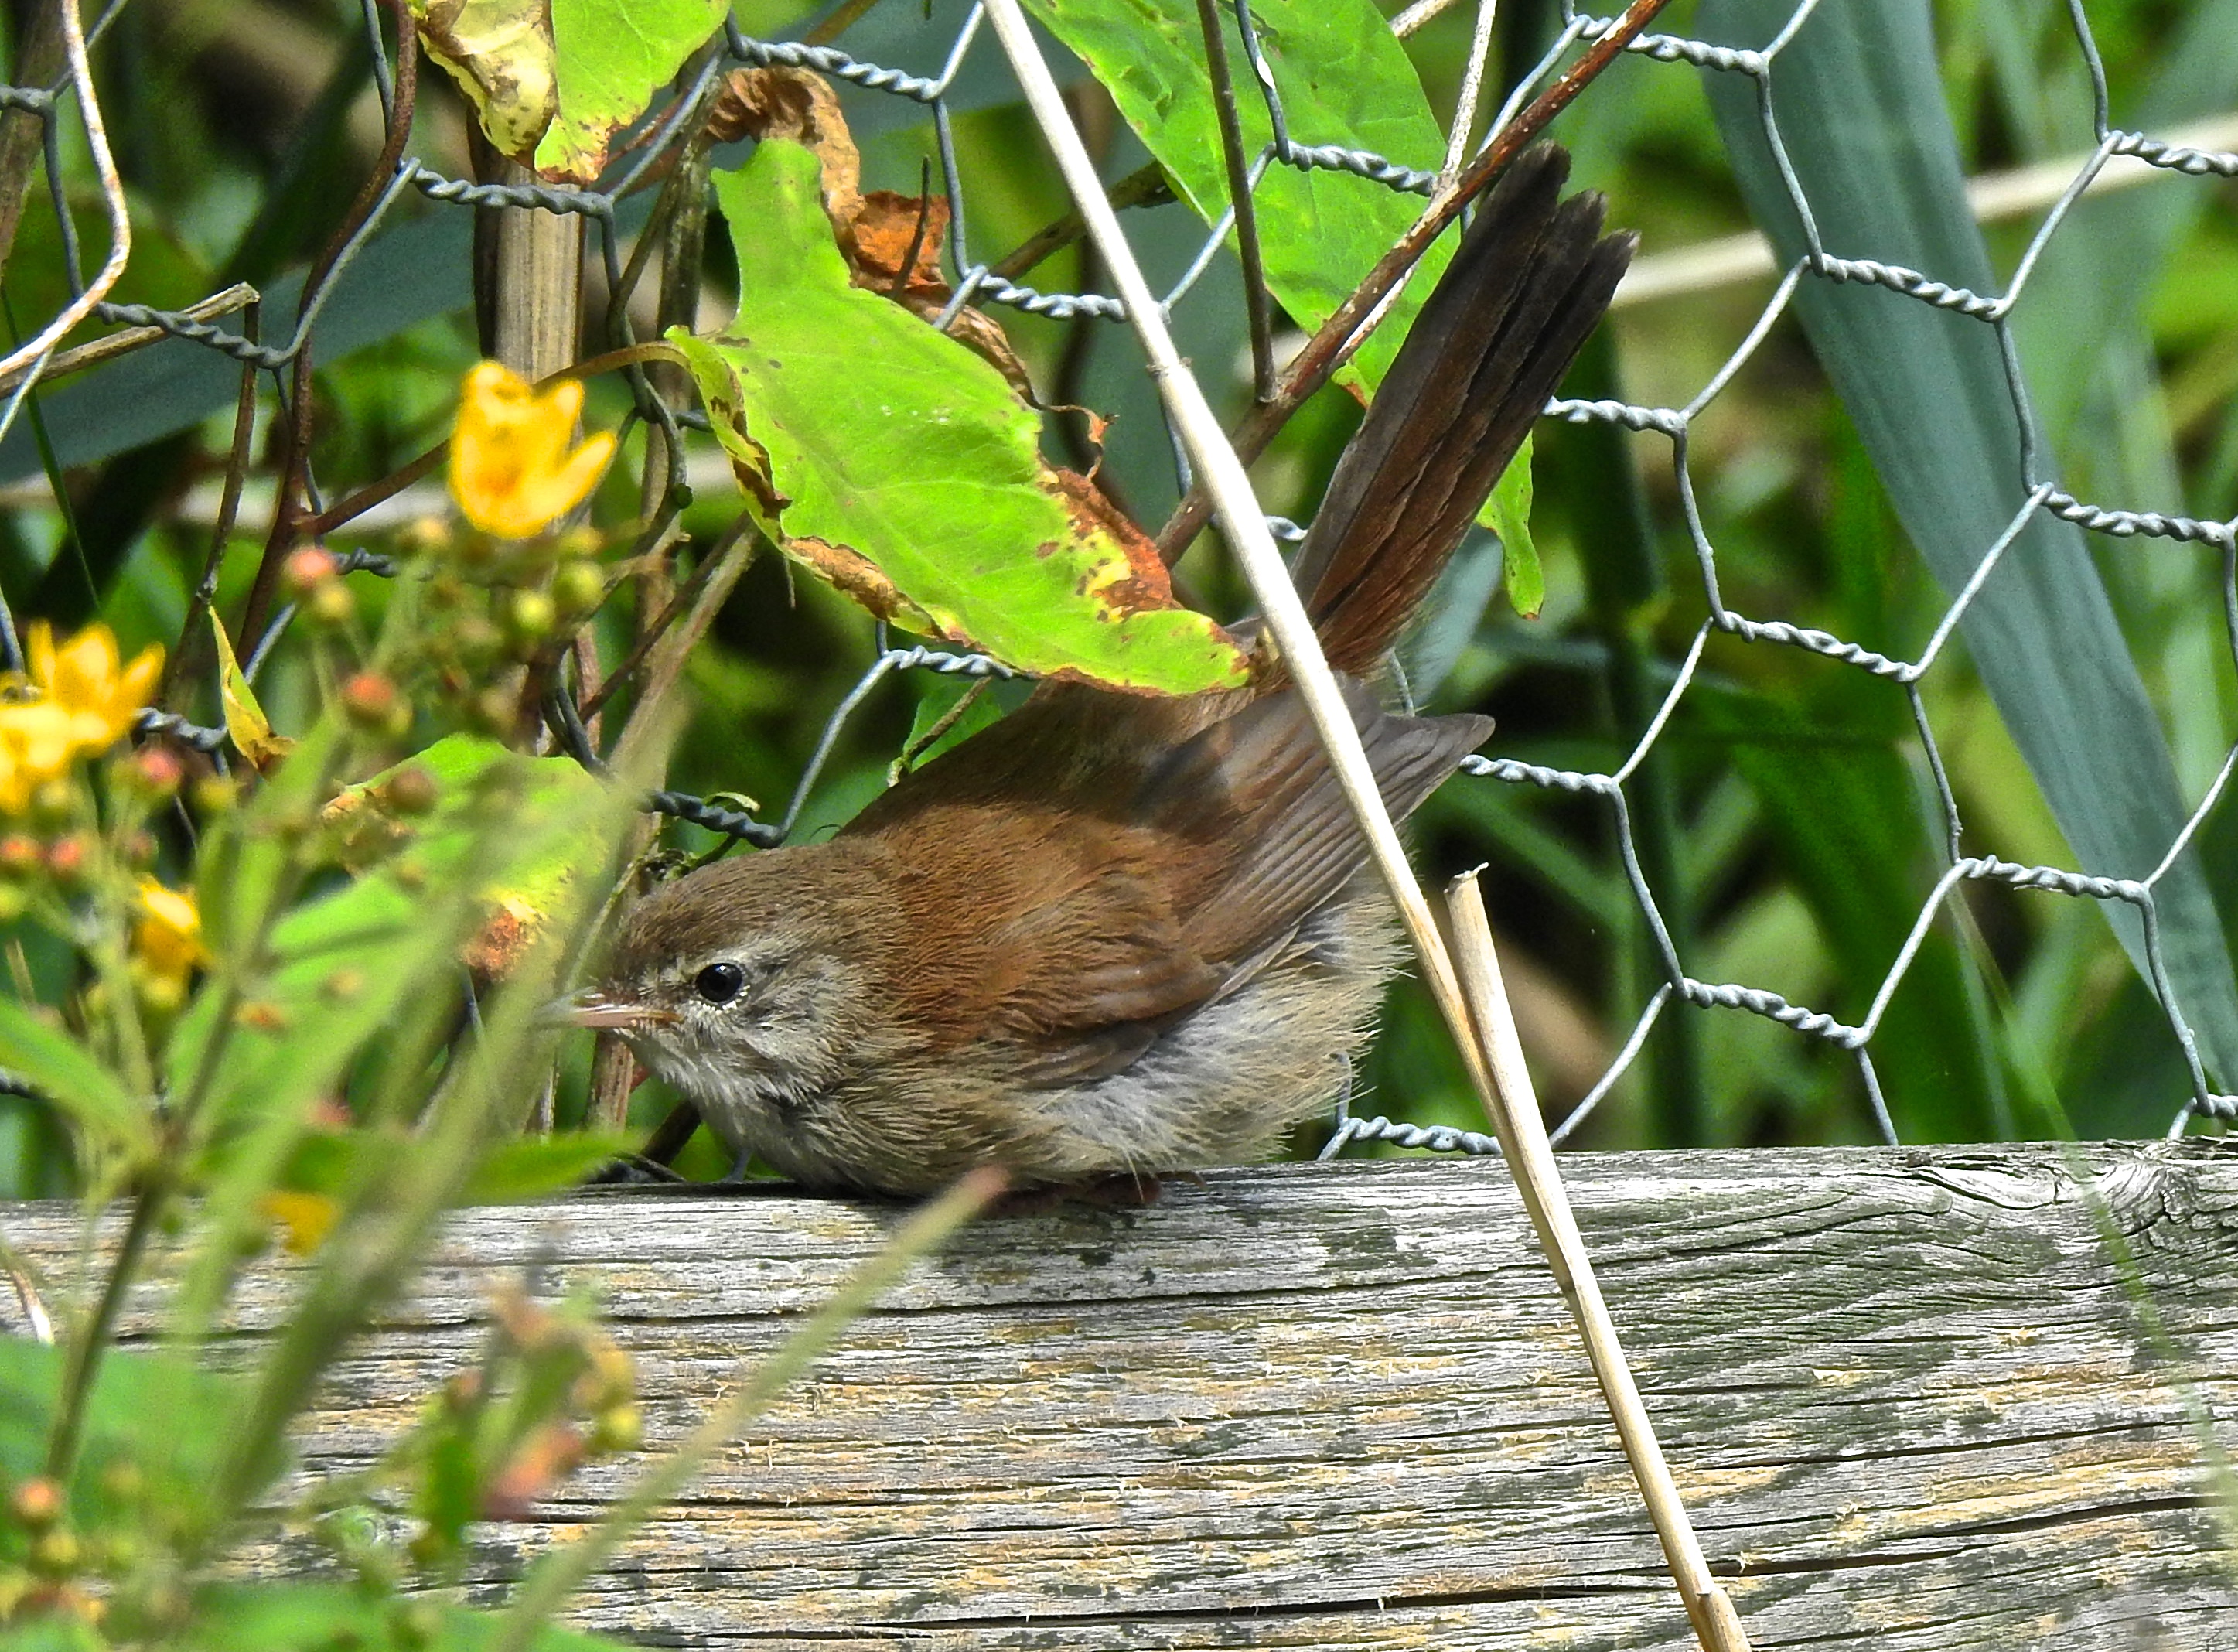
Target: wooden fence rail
x: 1917, y: 1401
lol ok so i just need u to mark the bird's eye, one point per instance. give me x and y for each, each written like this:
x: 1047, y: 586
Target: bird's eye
x: 719, y: 982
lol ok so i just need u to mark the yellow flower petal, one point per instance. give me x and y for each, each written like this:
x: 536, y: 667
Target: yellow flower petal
x: 82, y: 681
x: 36, y: 747
x: 167, y: 940
x: 512, y: 471
x: 304, y: 1220
x: 136, y: 687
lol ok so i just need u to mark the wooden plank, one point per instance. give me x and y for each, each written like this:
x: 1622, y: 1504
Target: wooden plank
x: 1916, y: 1399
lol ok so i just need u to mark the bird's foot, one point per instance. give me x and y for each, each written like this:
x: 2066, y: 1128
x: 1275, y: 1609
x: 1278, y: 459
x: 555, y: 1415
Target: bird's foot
x: 632, y: 1170
x: 1119, y: 1191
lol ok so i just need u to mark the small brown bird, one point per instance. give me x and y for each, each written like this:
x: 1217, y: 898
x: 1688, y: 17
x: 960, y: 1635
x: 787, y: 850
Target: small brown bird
x: 1115, y: 935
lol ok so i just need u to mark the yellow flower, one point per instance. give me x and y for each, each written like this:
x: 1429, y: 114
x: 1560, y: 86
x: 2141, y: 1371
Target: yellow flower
x: 304, y: 1220
x: 83, y: 679
x: 511, y: 471
x: 77, y: 700
x: 167, y: 940
x: 35, y: 748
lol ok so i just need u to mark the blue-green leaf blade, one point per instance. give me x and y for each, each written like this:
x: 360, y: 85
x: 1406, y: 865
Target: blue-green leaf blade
x: 1864, y: 124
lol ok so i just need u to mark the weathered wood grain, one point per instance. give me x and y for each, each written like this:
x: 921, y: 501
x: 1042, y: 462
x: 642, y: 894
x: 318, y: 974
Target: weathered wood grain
x: 1935, y: 1399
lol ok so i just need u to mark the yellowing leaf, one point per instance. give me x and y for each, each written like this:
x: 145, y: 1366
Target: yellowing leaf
x: 245, y: 722
x: 500, y: 53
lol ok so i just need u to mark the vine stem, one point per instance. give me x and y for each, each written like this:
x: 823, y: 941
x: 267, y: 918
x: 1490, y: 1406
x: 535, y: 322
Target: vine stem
x: 288, y: 517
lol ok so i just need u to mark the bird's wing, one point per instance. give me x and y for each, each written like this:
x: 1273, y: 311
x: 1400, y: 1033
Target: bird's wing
x: 1137, y: 884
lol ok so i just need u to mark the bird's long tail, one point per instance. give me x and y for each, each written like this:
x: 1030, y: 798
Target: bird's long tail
x: 1530, y: 280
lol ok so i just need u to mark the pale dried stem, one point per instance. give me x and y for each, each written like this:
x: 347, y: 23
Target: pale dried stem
x: 1467, y: 104
x: 1515, y: 1120
x: 1237, y: 509
x: 112, y: 197
x: 103, y: 351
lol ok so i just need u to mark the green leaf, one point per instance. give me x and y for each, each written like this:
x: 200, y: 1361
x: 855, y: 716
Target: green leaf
x: 244, y: 856
x: 902, y: 468
x: 942, y: 719
x: 289, y: 1617
x: 1870, y: 138
x: 54, y: 1634
x: 1841, y: 812
x: 1507, y: 514
x: 334, y: 1162
x: 1344, y: 80
x: 531, y: 1166
x: 546, y: 791
x: 508, y: 837
x: 155, y: 1430
x: 613, y: 55
x: 68, y: 1075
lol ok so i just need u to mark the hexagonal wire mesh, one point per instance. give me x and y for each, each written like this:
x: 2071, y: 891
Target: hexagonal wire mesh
x: 285, y: 365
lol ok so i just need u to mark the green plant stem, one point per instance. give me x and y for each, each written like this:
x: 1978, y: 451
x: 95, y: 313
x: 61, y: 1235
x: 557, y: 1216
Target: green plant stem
x: 392, y: 1215
x: 562, y: 1572
x: 92, y: 1341
x: 51, y: 467
x: 200, y: 1294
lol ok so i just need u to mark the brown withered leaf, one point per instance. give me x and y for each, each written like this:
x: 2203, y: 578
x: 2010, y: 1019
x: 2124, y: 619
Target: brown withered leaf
x: 886, y: 229
x: 1146, y: 585
x: 796, y: 106
x: 511, y: 929
x: 849, y: 570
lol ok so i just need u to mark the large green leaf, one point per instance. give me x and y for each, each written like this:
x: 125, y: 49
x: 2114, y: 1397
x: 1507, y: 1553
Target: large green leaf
x: 1841, y: 813
x: 1862, y: 118
x: 1344, y: 79
x: 897, y: 463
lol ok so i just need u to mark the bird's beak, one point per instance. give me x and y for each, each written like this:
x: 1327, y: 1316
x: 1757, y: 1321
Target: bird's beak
x: 594, y: 1007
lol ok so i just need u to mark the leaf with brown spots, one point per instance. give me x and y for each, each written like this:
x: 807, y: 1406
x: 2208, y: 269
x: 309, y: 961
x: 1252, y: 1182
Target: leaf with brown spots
x: 500, y: 53
x: 911, y: 471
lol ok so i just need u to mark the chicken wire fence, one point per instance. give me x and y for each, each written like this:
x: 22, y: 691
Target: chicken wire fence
x: 286, y: 366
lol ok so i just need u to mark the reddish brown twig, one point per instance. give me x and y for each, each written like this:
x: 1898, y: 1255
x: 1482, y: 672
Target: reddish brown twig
x: 374, y: 493
x: 1345, y: 331
x: 287, y: 518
